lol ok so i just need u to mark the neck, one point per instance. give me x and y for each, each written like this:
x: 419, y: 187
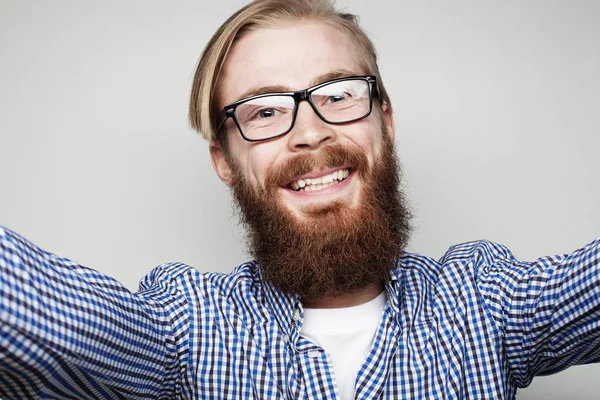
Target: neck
x: 347, y: 300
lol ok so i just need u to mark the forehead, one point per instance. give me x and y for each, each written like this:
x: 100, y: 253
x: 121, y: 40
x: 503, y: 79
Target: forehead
x: 292, y: 57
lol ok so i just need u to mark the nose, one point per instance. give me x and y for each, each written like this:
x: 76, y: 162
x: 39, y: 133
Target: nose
x: 309, y: 131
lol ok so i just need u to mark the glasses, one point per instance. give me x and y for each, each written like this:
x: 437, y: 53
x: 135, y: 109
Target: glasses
x: 268, y: 116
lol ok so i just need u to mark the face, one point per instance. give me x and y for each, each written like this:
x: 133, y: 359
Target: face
x: 340, y: 237
x: 286, y: 59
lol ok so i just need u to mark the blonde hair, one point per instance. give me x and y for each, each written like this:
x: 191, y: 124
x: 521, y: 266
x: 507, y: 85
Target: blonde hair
x: 204, y: 109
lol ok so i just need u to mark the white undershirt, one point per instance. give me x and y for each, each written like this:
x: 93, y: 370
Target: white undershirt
x: 346, y: 334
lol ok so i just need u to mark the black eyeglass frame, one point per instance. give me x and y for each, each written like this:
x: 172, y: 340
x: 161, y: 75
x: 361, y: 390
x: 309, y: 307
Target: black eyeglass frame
x: 298, y: 96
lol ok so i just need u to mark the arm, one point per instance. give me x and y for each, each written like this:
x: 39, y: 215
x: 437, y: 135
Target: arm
x: 69, y: 332
x: 548, y: 310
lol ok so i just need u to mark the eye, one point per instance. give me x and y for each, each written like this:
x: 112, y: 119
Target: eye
x: 336, y: 98
x: 265, y: 113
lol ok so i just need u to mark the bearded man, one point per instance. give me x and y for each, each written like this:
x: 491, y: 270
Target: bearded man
x: 300, y: 126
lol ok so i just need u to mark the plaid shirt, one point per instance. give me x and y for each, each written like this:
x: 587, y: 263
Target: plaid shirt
x: 475, y: 325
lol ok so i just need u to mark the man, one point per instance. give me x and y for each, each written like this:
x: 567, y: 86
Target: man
x: 301, y: 128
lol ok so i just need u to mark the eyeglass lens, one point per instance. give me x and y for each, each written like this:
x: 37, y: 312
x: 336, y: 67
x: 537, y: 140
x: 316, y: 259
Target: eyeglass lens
x: 272, y: 115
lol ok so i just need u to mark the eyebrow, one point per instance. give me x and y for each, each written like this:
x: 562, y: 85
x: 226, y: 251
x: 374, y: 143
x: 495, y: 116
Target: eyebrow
x: 339, y: 73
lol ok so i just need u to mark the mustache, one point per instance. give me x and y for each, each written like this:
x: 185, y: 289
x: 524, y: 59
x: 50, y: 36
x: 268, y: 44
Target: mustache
x: 330, y: 156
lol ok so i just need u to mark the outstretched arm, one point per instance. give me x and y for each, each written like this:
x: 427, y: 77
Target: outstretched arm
x: 69, y: 332
x: 548, y: 310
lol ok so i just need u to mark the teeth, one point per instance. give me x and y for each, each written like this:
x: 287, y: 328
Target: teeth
x: 309, y: 184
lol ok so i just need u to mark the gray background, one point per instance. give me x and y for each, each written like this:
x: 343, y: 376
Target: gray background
x: 497, y: 116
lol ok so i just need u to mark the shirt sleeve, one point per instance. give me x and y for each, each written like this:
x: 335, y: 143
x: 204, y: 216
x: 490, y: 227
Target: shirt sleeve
x: 70, y: 332
x: 548, y: 310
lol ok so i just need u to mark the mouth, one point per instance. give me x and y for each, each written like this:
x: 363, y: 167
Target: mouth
x: 312, y: 183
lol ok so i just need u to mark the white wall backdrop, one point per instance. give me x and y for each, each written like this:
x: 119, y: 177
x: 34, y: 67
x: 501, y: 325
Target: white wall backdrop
x: 497, y: 113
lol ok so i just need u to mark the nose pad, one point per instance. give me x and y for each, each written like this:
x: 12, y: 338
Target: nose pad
x: 310, y: 131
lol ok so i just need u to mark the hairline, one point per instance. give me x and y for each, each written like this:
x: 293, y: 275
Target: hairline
x: 266, y: 24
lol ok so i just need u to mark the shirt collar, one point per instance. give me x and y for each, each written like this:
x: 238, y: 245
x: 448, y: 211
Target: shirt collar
x: 393, y: 287
x: 284, y: 305
x: 281, y: 304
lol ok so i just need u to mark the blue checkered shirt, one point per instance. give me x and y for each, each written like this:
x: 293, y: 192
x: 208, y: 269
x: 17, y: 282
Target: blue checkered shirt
x: 475, y: 325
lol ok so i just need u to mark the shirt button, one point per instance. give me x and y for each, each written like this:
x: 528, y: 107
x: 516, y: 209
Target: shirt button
x: 296, y: 315
x: 313, y: 354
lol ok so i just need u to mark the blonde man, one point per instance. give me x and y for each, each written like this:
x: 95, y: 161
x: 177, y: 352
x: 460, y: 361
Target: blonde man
x: 301, y: 128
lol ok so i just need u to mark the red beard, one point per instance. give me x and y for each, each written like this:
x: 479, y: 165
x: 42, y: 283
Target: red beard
x: 334, y: 249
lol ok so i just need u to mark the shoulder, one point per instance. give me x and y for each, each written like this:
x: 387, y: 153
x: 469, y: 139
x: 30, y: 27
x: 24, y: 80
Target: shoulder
x: 469, y: 257
x: 478, y: 253
x: 475, y: 275
x: 233, y: 299
x: 186, y: 279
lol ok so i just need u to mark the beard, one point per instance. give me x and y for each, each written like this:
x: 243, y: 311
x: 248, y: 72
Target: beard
x: 332, y: 249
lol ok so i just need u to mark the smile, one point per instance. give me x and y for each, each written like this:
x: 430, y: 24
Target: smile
x: 321, y: 182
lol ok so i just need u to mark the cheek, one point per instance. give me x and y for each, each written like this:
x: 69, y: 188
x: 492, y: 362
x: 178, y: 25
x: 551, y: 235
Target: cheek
x: 259, y: 159
x: 252, y: 159
x: 369, y: 139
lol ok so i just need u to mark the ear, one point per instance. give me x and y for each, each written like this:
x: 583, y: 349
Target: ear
x: 220, y: 162
x: 388, y: 120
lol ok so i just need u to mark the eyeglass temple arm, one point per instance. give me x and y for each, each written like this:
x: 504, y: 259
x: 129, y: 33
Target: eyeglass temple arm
x: 226, y: 116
